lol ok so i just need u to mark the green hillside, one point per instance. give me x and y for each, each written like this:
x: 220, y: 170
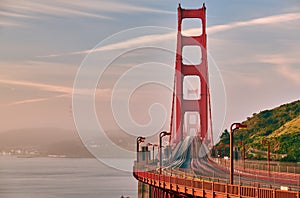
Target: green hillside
x: 288, y: 128
x: 280, y: 126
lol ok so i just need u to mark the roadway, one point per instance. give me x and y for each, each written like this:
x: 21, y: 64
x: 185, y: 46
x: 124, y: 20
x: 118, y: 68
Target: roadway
x: 192, y: 159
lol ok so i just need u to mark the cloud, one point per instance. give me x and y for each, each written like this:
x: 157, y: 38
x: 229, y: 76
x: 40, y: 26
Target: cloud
x: 55, y: 88
x: 41, y: 86
x: 33, y: 7
x: 36, y: 100
x: 289, y: 73
x: 247, y: 78
x: 65, y: 91
x: 115, y: 7
x: 9, y: 23
x: 12, y: 14
x: 8, y: 18
x: 122, y: 45
x: 277, y: 59
x: 269, y: 20
x: 283, y: 67
x: 74, y: 8
x: 30, y: 69
x: 58, y: 73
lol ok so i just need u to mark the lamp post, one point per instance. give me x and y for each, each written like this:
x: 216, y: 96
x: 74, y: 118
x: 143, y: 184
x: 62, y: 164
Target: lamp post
x: 161, y: 135
x: 138, y: 141
x: 244, y: 153
x: 267, y: 142
x: 150, y: 144
x: 233, y: 127
x: 153, y: 146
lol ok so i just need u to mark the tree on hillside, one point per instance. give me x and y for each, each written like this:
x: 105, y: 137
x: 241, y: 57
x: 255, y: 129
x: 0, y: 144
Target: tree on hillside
x: 279, y: 125
x: 225, y: 137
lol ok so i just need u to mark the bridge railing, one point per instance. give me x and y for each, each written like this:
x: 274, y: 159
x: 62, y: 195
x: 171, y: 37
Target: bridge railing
x: 201, y: 187
x: 258, y: 172
x: 257, y: 181
x: 279, y: 167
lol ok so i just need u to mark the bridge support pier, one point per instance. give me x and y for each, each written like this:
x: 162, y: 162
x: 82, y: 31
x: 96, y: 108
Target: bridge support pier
x: 144, y: 190
x: 148, y: 191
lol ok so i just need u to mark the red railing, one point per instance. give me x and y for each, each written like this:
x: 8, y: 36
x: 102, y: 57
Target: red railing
x: 285, y: 177
x: 203, y: 188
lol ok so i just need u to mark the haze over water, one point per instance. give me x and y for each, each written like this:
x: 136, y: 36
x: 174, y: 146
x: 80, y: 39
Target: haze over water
x: 62, y: 178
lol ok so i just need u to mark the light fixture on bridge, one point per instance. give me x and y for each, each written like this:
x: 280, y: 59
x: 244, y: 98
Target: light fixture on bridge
x: 233, y: 127
x: 268, y: 143
x: 244, y: 152
x: 153, y: 146
x: 161, y: 135
x: 138, y: 141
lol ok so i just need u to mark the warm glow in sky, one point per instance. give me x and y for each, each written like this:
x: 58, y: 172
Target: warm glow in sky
x: 254, y: 44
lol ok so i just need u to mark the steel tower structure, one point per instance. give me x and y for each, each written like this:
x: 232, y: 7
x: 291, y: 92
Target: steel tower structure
x: 191, y: 115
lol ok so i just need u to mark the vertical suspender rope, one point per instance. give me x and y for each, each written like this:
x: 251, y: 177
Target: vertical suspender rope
x: 172, y: 110
x: 210, y: 119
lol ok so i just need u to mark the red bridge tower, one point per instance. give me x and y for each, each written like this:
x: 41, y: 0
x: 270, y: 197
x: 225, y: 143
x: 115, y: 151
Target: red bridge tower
x: 191, y: 113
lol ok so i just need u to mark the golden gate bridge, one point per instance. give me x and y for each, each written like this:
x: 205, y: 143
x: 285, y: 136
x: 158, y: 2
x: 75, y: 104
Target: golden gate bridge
x: 187, y: 168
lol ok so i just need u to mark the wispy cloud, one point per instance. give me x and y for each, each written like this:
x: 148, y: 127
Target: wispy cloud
x: 64, y: 91
x: 269, y: 20
x: 150, y: 39
x: 75, y: 8
x: 283, y: 66
x: 289, y: 73
x: 55, y: 88
x: 249, y: 79
x: 277, y: 59
x: 8, y: 19
x: 9, y: 23
x: 122, y: 45
x: 13, y: 14
x: 115, y: 7
x: 34, y: 100
x: 30, y: 69
x: 51, y: 9
x: 41, y: 86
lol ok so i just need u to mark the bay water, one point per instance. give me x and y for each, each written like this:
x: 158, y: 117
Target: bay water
x: 63, y: 178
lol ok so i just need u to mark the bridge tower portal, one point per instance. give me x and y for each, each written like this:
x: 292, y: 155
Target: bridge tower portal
x: 190, y: 102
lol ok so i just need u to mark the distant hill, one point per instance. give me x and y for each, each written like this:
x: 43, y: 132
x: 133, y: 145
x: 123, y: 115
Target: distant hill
x: 34, y: 137
x: 59, y: 142
x: 47, y: 141
x: 280, y: 126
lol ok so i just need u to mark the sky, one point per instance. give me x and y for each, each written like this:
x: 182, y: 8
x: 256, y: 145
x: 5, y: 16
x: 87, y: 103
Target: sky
x: 46, y: 55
